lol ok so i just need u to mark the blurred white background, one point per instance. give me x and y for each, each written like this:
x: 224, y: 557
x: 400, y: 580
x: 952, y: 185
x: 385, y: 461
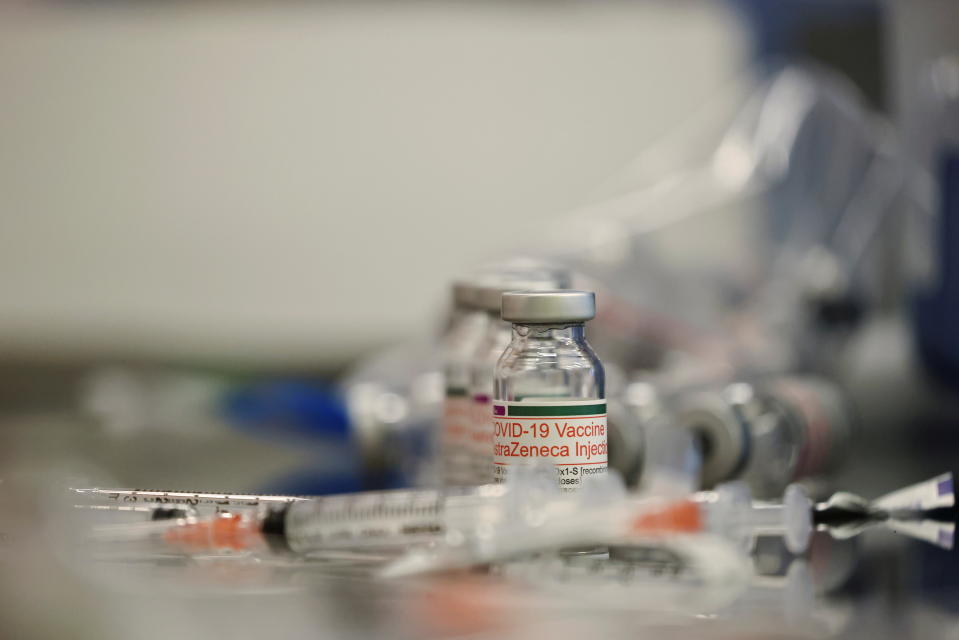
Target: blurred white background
x: 296, y: 184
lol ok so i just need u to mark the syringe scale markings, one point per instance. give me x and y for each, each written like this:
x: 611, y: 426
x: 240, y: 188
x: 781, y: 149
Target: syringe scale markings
x: 188, y: 497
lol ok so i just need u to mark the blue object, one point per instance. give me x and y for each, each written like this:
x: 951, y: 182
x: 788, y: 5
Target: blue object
x: 937, y: 310
x: 288, y: 405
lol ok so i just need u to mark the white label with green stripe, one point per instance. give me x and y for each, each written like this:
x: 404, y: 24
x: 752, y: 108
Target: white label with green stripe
x: 571, y: 434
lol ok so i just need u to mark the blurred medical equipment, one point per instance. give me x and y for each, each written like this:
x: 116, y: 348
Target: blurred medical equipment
x: 483, y: 363
x: 466, y: 347
x: 152, y: 499
x: 403, y: 518
x: 936, y: 148
x: 465, y: 526
x: 467, y: 328
x: 703, y: 577
x: 770, y: 432
x: 760, y: 256
x: 911, y: 511
x: 727, y: 513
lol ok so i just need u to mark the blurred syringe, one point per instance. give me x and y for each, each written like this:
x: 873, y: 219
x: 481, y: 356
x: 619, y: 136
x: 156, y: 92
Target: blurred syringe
x: 486, y: 523
x: 199, y: 500
x: 727, y: 513
x: 408, y: 518
x: 304, y: 525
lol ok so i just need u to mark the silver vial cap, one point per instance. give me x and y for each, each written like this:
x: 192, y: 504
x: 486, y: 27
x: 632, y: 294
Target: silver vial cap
x: 489, y: 296
x: 464, y: 294
x: 526, y: 269
x: 483, y: 289
x: 544, y: 307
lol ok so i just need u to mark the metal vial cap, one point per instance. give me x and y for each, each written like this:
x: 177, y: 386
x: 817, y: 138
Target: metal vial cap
x: 488, y: 296
x: 464, y: 294
x: 543, y: 307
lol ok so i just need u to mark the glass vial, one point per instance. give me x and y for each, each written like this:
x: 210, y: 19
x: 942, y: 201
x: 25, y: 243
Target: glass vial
x: 549, y: 392
x: 483, y: 365
x: 768, y: 433
x: 466, y: 332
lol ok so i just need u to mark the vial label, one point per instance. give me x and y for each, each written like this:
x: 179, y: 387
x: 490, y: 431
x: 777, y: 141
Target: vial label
x: 481, y: 440
x: 571, y: 434
x: 455, y: 437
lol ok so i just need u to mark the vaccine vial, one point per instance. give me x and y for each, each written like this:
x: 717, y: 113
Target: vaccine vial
x: 549, y: 389
x: 483, y: 365
x: 769, y: 432
x: 467, y: 329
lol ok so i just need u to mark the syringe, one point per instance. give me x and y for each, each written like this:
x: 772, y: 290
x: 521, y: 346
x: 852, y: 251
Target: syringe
x: 702, y: 577
x: 200, y: 500
x: 582, y: 520
x: 470, y: 526
x: 727, y: 513
x: 413, y: 518
x: 304, y: 525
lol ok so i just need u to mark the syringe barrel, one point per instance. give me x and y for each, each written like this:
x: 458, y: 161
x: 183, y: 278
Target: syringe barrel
x: 382, y: 520
x: 387, y: 519
x: 201, y: 500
